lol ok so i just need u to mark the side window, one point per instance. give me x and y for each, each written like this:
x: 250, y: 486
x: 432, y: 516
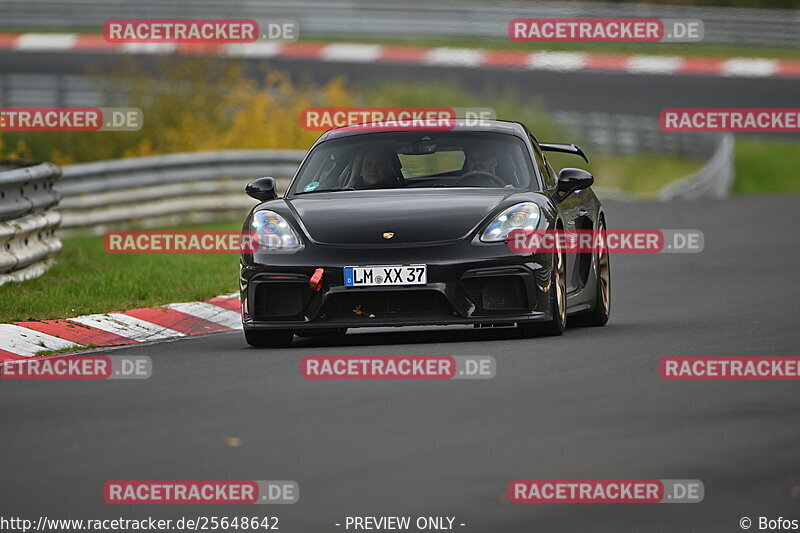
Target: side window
x: 552, y: 172
x: 544, y: 168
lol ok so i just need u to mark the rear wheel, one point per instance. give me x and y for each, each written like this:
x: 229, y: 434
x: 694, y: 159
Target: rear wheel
x: 276, y: 338
x: 558, y: 298
x: 602, y: 304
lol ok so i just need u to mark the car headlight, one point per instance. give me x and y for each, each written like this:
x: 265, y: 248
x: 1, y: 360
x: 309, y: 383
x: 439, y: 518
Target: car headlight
x: 274, y: 234
x: 524, y: 216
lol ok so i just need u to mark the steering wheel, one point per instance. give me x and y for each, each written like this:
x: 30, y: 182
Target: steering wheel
x: 466, y: 176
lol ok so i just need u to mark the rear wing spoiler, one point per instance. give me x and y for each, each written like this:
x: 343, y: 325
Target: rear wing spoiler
x: 563, y: 148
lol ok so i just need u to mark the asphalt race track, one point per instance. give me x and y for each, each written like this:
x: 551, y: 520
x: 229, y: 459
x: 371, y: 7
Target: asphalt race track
x: 589, y: 404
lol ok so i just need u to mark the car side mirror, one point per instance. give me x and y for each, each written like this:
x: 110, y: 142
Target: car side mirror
x: 262, y: 189
x: 573, y: 179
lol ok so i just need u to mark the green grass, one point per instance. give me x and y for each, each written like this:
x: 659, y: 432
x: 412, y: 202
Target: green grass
x: 638, y: 174
x: 86, y: 279
x: 762, y: 166
x: 79, y: 348
x: 767, y: 166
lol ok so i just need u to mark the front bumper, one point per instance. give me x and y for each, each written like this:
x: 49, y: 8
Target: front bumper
x: 467, y: 284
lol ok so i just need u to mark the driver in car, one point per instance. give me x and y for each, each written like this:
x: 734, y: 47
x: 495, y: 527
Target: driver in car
x: 375, y: 171
x: 481, y: 159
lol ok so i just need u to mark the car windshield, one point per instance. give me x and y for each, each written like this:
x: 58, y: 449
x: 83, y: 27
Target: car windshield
x: 416, y: 159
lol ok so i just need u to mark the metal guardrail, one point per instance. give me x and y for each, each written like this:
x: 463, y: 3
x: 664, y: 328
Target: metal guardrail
x: 71, y: 90
x: 412, y: 18
x: 714, y: 180
x: 167, y: 189
x: 634, y: 134
x: 27, y: 224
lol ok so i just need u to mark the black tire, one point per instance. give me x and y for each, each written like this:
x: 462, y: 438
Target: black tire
x: 321, y: 332
x: 598, y: 316
x: 266, y: 338
x: 558, y: 298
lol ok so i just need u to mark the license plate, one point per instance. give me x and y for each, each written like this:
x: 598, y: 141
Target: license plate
x: 371, y: 276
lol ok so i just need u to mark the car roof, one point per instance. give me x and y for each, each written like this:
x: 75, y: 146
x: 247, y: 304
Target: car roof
x: 472, y: 125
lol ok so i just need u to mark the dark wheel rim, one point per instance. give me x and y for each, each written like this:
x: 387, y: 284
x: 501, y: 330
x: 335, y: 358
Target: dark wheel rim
x: 604, y: 272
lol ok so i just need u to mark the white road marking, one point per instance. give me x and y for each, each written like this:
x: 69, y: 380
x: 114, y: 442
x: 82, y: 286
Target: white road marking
x: 24, y: 341
x: 453, y: 57
x: 128, y: 326
x: 252, y: 49
x: 653, y: 64
x: 148, y: 48
x: 558, y: 61
x: 361, y: 53
x: 210, y: 312
x: 46, y: 41
x: 749, y: 67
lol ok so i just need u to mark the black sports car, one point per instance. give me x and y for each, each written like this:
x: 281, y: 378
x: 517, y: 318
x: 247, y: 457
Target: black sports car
x: 386, y: 226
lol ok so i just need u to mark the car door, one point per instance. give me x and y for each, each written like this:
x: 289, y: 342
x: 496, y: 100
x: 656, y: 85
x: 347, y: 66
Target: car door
x: 580, y: 210
x: 569, y: 208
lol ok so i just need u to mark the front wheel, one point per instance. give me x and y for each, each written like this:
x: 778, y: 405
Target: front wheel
x: 558, y: 303
x: 602, y: 303
x: 276, y: 338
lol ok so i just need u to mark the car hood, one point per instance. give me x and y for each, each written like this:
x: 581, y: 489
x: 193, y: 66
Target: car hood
x: 412, y: 216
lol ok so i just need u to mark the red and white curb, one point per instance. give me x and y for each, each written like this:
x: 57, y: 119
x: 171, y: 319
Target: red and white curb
x: 437, y: 56
x: 20, y: 340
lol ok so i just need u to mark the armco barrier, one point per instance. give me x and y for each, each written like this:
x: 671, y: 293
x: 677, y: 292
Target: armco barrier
x: 412, y: 18
x: 714, y: 180
x: 165, y: 189
x: 27, y: 221
x: 619, y: 134
x: 632, y: 134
